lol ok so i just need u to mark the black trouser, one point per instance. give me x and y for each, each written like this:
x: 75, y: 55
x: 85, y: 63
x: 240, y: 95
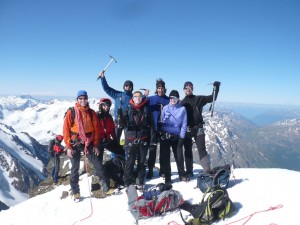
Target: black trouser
x: 75, y: 161
x: 199, y: 137
x: 136, y: 152
x: 112, y: 146
x: 152, y: 156
x: 188, y: 154
x: 165, y: 154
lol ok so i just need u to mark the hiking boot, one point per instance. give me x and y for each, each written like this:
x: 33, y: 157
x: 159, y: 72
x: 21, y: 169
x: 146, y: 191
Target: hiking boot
x: 150, y: 174
x: 76, y: 197
x: 183, y: 178
x: 168, y: 180
x: 190, y: 174
x: 104, y: 186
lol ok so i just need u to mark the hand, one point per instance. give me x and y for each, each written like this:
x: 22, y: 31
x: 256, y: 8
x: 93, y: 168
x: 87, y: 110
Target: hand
x: 96, y: 151
x: 146, y: 92
x: 217, y: 84
x: 70, y: 152
x: 101, y: 75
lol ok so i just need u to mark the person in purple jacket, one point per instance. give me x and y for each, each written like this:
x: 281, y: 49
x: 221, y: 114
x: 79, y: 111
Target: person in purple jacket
x: 174, y: 125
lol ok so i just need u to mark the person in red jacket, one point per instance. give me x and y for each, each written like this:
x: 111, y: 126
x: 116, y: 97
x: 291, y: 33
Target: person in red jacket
x: 55, y: 149
x: 81, y: 134
x: 106, y: 127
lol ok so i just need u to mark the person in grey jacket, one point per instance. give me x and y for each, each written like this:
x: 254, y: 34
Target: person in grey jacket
x: 174, y: 125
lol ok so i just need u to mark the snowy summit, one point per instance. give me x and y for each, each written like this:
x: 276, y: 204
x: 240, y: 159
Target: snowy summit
x: 255, y: 192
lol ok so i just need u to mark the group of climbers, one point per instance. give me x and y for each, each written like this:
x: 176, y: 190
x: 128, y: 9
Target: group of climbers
x: 147, y: 121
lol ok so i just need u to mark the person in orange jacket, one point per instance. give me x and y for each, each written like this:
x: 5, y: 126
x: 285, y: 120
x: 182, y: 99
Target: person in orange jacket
x: 82, y: 134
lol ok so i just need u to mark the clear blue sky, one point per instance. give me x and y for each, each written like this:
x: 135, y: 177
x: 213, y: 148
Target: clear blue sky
x: 58, y: 47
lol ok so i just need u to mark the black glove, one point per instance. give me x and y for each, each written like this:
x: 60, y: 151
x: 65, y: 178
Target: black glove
x: 217, y: 84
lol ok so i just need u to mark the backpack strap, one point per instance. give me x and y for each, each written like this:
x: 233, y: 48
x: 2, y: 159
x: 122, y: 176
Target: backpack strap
x: 73, y: 113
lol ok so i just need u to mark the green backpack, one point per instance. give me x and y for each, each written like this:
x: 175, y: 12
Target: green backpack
x: 215, y: 205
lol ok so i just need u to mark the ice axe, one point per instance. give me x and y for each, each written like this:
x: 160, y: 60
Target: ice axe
x: 110, y: 61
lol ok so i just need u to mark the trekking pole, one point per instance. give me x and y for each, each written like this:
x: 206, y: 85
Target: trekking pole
x: 111, y: 60
x: 213, y: 103
x: 212, y: 106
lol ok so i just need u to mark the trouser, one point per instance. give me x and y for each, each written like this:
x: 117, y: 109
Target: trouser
x: 112, y: 146
x: 75, y: 162
x: 188, y: 154
x: 152, y: 156
x: 55, y: 170
x: 136, y: 152
x: 165, y: 154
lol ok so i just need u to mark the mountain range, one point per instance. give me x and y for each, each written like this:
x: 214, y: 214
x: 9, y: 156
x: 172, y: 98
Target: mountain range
x: 27, y: 124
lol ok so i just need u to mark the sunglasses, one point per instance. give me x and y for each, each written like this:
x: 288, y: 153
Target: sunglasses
x: 82, y: 98
x: 173, y: 97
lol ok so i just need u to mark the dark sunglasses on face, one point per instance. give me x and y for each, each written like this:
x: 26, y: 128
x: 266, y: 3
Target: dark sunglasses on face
x: 173, y: 97
x: 82, y: 98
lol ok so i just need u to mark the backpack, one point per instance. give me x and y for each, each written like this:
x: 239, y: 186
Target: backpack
x: 73, y: 113
x: 215, y: 205
x: 114, y: 170
x: 156, y: 201
x: 218, y: 176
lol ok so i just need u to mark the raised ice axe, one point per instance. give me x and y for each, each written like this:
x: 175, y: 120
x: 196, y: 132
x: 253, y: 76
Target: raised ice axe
x: 110, y: 61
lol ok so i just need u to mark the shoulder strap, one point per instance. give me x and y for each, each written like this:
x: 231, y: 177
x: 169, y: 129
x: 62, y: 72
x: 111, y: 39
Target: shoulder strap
x: 72, y: 113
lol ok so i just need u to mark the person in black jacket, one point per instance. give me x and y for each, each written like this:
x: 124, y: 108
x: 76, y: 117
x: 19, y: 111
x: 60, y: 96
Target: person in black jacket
x: 137, y: 120
x: 194, y: 106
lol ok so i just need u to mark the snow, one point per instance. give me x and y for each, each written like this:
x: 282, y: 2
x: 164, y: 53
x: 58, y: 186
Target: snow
x: 253, y: 191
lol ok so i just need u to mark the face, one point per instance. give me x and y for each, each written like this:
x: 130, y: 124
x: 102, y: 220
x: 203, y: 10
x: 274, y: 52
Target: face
x: 127, y: 87
x: 173, y: 100
x: 82, y: 100
x: 137, y: 99
x: 188, y: 90
x: 160, y: 91
x: 106, y: 107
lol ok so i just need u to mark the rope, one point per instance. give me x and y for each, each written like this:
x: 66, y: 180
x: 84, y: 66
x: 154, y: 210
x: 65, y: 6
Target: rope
x: 250, y: 216
x: 91, y: 204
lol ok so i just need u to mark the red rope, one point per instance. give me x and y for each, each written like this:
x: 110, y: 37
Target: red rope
x: 91, y: 204
x: 173, y: 223
x: 250, y: 216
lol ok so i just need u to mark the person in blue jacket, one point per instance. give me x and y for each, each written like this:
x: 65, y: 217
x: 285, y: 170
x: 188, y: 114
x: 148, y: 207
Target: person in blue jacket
x: 174, y: 125
x: 156, y: 103
x: 121, y: 99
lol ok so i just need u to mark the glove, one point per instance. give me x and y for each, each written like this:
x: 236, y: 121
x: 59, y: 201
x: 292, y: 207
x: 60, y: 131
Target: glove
x: 217, y: 84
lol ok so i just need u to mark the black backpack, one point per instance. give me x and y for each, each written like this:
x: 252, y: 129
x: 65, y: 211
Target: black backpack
x: 218, y: 176
x: 215, y: 205
x: 114, y: 170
